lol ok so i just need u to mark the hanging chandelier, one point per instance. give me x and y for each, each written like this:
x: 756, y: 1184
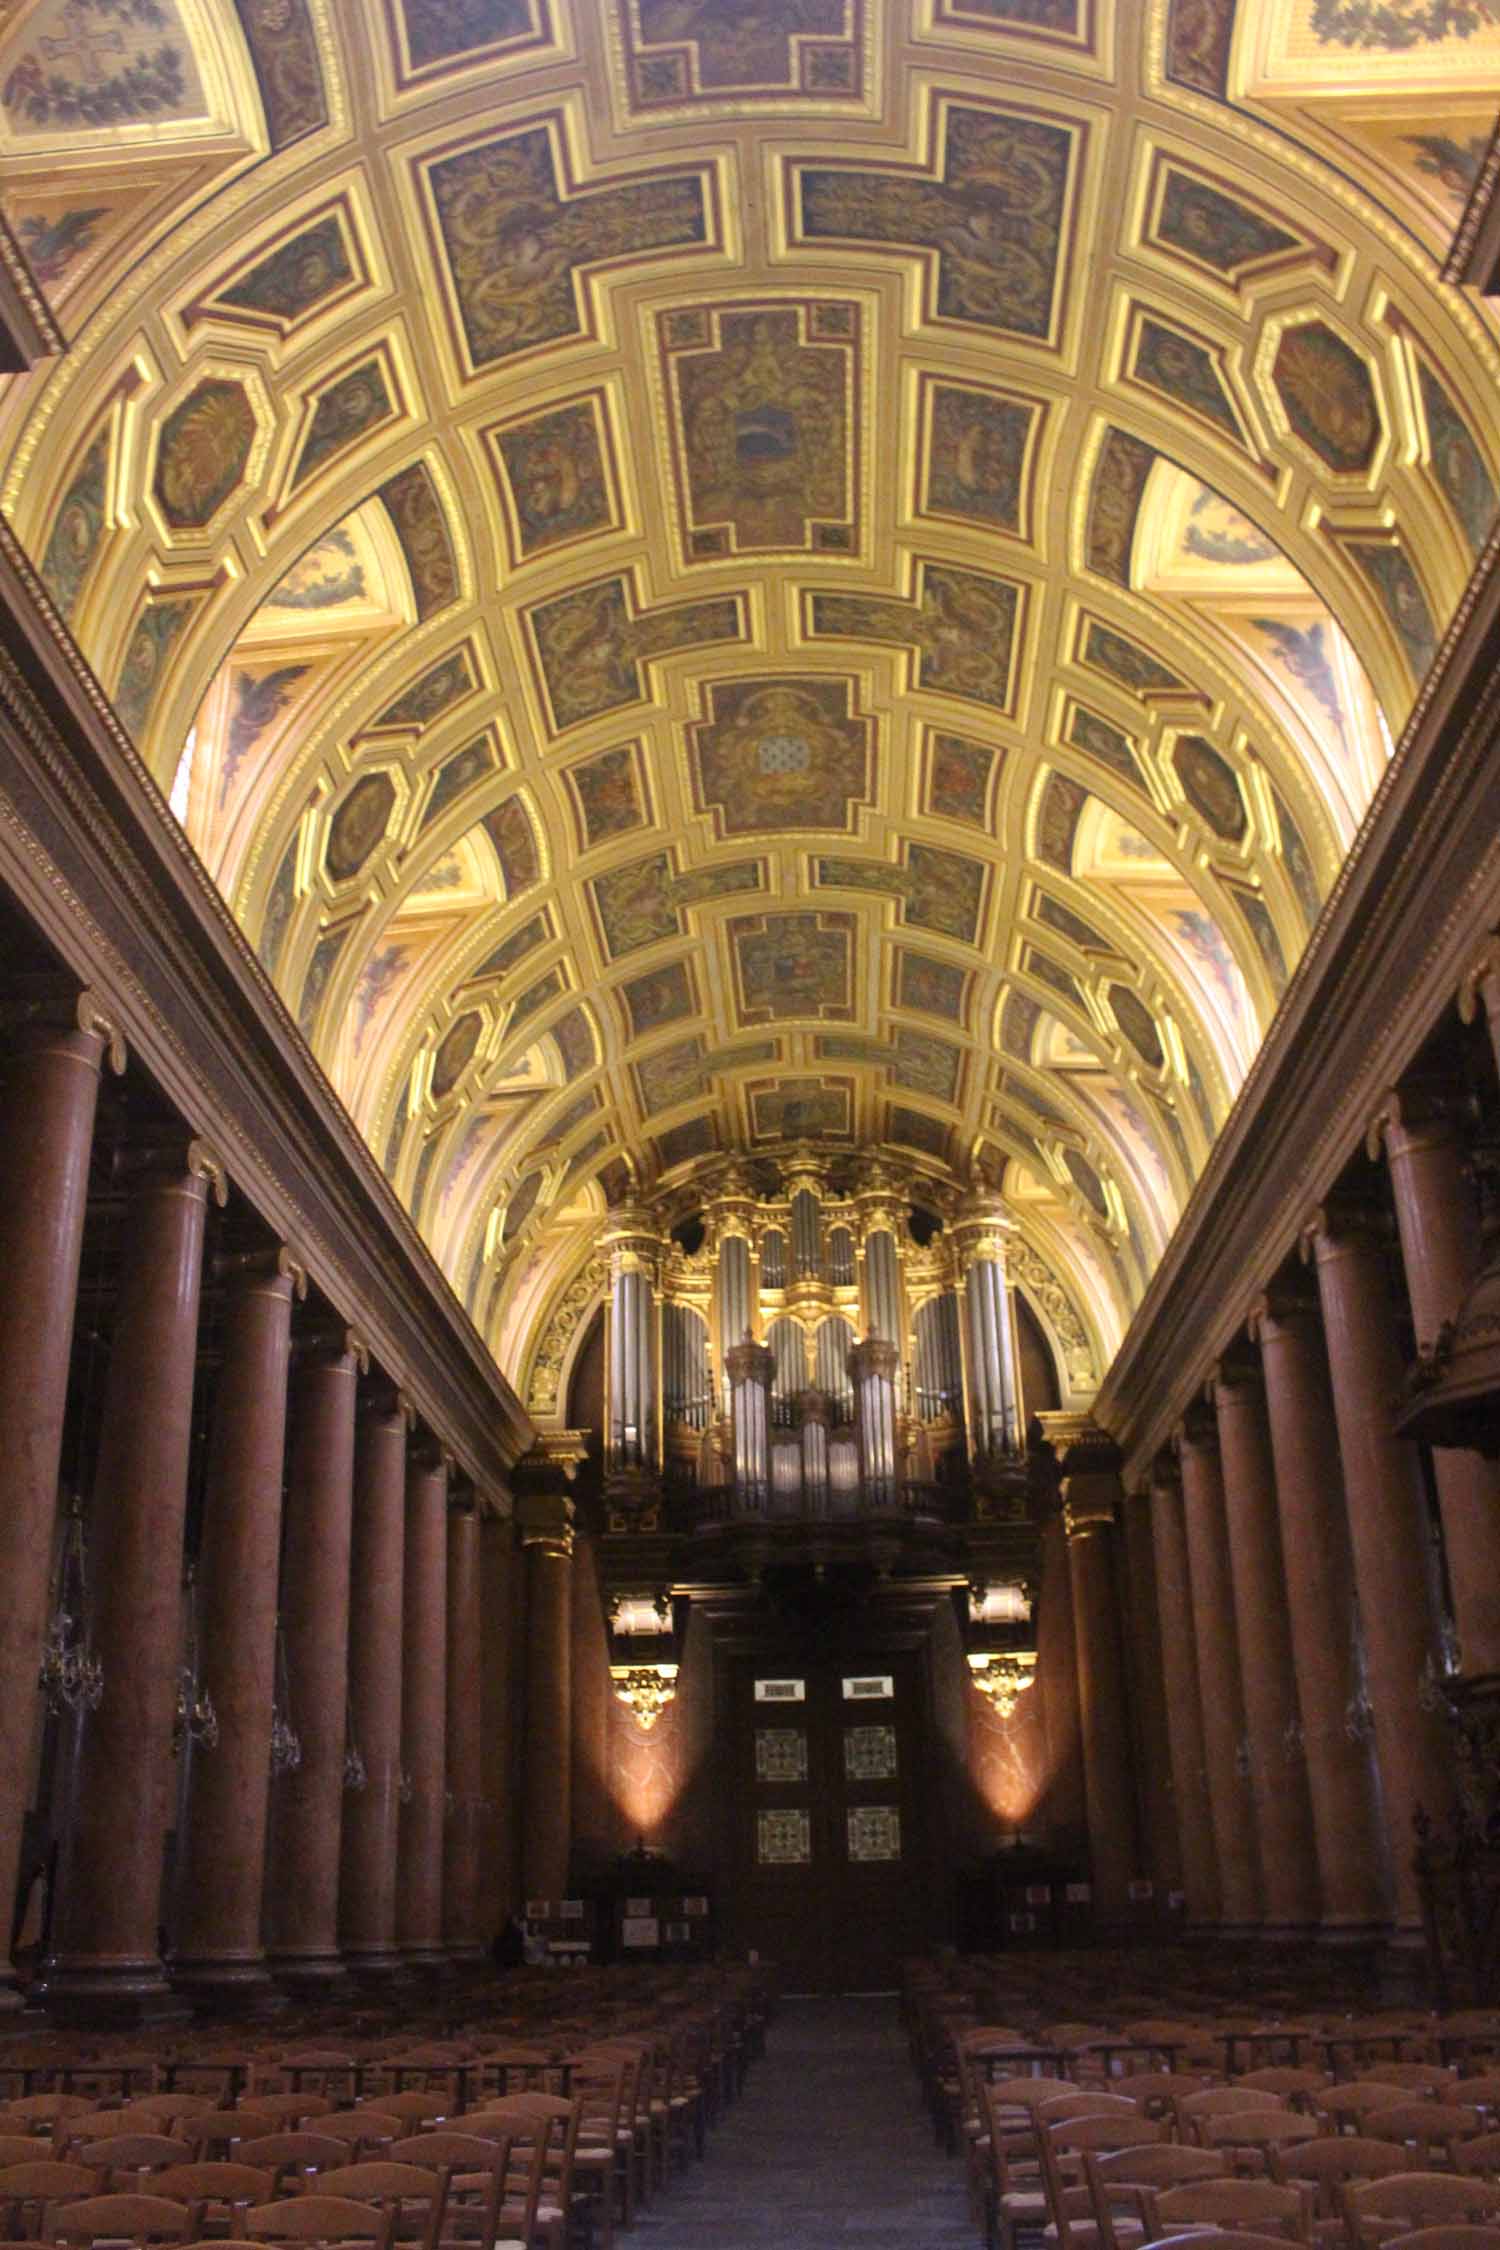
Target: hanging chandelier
x: 1004, y: 1678
x: 646, y: 1689
x: 71, y: 1676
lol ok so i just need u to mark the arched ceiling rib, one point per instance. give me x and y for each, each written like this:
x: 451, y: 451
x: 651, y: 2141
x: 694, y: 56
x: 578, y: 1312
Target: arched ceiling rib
x: 707, y: 575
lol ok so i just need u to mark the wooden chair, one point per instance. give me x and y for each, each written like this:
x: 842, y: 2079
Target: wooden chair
x: 1155, y: 2091
x: 412, y: 2109
x: 286, y: 2111
x: 1417, y: 2077
x: 120, y: 2218
x: 414, y: 2194
x: 1480, y: 2092
x: 23, y: 2148
x: 1220, y: 2101
x: 299, y: 2156
x: 1116, y: 2178
x: 1479, y: 2153
x: 1423, y: 2127
x: 1248, y: 2137
x: 368, y: 2132
x: 473, y: 2173
x: 42, y: 2113
x: 1403, y: 2202
x: 130, y: 2157
x: 1263, y: 2205
x: 211, y: 2131
x: 29, y: 2191
x: 599, y: 2090
x: 1326, y: 2166
x: 164, y: 2113
x: 1296, y: 2085
x: 215, y: 2191
x: 558, y: 2116
x: 323, y: 2070
x: 1218, y: 2238
x: 319, y: 2218
x: 1346, y: 2108
x: 524, y: 2138
x: 1062, y: 2149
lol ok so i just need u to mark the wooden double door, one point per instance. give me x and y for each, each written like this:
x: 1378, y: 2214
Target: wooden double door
x: 824, y: 1809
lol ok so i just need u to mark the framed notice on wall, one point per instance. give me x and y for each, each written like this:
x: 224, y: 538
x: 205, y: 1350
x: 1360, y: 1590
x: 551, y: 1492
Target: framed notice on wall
x: 640, y: 1929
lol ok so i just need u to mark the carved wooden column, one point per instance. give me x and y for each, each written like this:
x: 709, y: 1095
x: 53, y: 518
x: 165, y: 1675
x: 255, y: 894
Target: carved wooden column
x: 1179, y: 1663
x: 1387, y: 1531
x: 1353, y: 1862
x: 1278, y: 1778
x: 302, y: 1919
x: 546, y: 1527
x: 1223, y: 1702
x: 1438, y: 1218
x: 104, y: 1947
x: 424, y: 1695
x: 461, y: 1932
x: 47, y: 1107
x: 218, y: 1952
x: 1091, y: 1490
x: 367, y: 1878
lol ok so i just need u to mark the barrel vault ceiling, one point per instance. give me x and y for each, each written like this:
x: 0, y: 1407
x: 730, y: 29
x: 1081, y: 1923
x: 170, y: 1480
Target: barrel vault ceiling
x: 713, y: 573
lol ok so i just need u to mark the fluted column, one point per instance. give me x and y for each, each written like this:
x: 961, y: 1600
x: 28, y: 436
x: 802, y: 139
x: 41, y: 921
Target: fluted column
x: 634, y: 1250
x: 218, y: 1949
x: 1179, y: 1662
x: 546, y: 1526
x: 302, y: 1905
x: 1290, y: 1899
x: 105, y: 1929
x: 1438, y: 1218
x: 1223, y: 1702
x: 1091, y: 1490
x: 1387, y: 1531
x: 465, y: 1807
x: 367, y: 1860
x: 1353, y: 1870
x: 47, y: 1107
x: 424, y: 1700
x: 1148, y: 1700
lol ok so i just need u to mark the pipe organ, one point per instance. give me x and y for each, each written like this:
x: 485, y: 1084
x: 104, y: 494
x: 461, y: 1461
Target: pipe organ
x: 809, y: 1357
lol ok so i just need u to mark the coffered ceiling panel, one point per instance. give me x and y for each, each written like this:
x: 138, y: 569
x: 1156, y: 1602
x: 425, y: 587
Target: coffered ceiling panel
x: 707, y: 576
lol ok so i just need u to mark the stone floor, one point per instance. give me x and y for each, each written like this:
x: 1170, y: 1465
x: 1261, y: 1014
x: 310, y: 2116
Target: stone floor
x: 830, y: 2143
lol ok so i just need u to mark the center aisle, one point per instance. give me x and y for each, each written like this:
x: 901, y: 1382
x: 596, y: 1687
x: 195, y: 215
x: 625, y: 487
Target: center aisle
x: 830, y: 2141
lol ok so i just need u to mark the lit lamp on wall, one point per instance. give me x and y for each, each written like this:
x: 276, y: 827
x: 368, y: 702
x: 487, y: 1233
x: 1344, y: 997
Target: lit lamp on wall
x: 1002, y: 1670
x: 645, y: 1689
x: 643, y: 1653
x: 1004, y: 1678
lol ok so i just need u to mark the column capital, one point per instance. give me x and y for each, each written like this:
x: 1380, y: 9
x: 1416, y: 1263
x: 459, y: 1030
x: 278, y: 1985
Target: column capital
x: 1166, y: 1474
x: 1340, y: 1224
x: 982, y: 1230
x: 1480, y: 984
x: 1197, y: 1432
x: 1283, y: 1309
x: 53, y: 1004
x: 1418, y: 1113
x: 874, y: 1356
x: 545, y: 1521
x: 632, y: 1242
x: 749, y: 1362
x: 1235, y: 1373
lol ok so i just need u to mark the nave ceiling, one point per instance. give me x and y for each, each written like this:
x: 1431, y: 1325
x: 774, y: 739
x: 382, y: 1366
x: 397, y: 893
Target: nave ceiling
x: 710, y: 576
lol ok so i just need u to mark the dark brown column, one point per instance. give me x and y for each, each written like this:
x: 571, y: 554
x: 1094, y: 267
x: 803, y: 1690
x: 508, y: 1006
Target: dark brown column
x: 1091, y: 1488
x: 302, y: 1904
x: 1179, y: 1663
x: 367, y: 1858
x: 50, y: 1093
x: 547, y: 1811
x: 1353, y: 1868
x: 1152, y: 1733
x: 104, y: 1935
x: 1223, y: 1702
x: 218, y: 1950
x: 1387, y: 1532
x: 1064, y: 1802
x: 1438, y: 1217
x: 461, y: 1933
x: 424, y: 1697
x: 1278, y: 1778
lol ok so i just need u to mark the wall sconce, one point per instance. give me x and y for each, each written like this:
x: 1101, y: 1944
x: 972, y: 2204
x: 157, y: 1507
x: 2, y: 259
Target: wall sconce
x: 1005, y: 1678
x: 646, y: 1689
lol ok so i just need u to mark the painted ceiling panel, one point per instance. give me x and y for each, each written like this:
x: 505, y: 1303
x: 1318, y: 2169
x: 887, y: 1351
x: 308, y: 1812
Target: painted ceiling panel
x: 708, y: 576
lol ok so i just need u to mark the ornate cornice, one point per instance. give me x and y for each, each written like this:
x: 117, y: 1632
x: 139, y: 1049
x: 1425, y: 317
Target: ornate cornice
x: 90, y: 851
